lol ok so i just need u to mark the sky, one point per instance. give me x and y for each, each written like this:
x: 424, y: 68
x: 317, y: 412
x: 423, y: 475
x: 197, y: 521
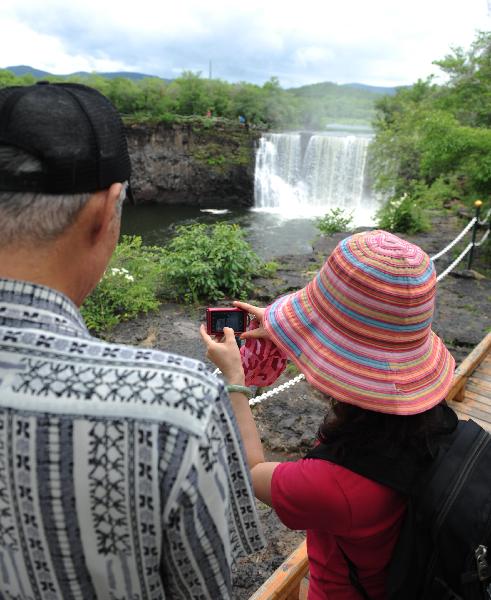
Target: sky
x: 376, y: 42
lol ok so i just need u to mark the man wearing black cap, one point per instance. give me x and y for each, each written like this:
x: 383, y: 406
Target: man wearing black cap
x: 122, y: 475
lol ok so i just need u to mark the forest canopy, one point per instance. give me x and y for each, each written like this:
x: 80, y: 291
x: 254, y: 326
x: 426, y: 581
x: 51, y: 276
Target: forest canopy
x: 267, y: 106
x: 433, y: 141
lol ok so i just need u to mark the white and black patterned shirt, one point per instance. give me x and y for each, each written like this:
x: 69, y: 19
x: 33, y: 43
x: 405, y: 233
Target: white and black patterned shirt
x: 122, y: 474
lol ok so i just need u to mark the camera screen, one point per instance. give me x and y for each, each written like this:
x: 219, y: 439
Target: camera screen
x: 234, y: 319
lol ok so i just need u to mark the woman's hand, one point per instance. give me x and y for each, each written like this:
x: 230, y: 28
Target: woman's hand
x: 225, y: 355
x: 258, y: 312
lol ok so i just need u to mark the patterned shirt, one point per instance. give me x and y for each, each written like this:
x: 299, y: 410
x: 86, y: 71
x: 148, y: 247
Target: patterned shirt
x: 122, y: 474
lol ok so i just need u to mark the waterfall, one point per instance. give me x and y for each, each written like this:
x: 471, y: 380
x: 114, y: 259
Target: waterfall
x: 304, y: 175
x: 278, y: 170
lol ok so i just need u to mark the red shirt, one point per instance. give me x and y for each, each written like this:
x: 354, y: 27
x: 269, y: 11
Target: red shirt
x: 337, y: 506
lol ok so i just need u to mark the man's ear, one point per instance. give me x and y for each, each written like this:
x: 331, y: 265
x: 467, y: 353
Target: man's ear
x: 105, y: 211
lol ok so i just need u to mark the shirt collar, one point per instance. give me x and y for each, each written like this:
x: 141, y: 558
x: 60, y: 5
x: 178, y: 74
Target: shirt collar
x: 50, y: 308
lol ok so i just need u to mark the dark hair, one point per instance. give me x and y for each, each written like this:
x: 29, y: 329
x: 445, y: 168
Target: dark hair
x: 350, y: 430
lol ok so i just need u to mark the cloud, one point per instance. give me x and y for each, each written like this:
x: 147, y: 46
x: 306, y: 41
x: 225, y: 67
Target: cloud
x: 383, y: 42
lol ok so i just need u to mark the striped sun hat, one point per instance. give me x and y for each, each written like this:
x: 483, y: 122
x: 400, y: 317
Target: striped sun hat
x: 360, y: 331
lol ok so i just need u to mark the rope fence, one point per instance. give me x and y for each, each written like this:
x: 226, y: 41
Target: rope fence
x: 483, y: 239
x: 473, y: 224
x: 486, y: 218
x: 455, y: 241
x: 455, y: 262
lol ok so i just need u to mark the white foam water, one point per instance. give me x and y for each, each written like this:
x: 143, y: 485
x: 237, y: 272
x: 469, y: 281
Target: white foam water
x: 305, y: 175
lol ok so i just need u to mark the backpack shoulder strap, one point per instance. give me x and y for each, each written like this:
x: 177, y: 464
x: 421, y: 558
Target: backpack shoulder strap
x: 398, y: 474
x: 450, y: 472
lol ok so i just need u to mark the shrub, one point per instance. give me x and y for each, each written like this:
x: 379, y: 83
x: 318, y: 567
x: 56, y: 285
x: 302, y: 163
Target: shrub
x: 333, y: 221
x: 129, y: 286
x: 403, y: 215
x: 200, y: 263
x: 204, y: 262
x: 268, y: 269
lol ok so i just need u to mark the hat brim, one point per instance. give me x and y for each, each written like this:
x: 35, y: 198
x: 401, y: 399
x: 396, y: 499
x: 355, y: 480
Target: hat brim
x: 401, y: 381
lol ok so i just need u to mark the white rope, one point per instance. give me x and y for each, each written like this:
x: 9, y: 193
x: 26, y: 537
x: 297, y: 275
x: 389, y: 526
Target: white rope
x: 276, y: 390
x: 483, y: 239
x: 272, y: 392
x: 486, y: 217
x: 455, y: 262
x: 455, y: 241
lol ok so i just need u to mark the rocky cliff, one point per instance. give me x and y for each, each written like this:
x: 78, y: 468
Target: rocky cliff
x: 207, y: 162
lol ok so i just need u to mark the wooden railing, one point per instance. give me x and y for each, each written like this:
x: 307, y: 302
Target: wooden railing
x: 466, y: 368
x: 290, y: 580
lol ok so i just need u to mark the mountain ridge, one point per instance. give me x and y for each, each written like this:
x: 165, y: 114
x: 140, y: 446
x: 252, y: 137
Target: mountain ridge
x: 20, y: 70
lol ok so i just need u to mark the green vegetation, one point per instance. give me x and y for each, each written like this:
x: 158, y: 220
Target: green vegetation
x: 222, y: 151
x: 433, y: 142
x: 204, y: 262
x: 268, y: 269
x: 152, y: 99
x: 403, y: 214
x: 333, y: 221
x: 201, y: 263
x: 292, y: 369
x: 131, y: 285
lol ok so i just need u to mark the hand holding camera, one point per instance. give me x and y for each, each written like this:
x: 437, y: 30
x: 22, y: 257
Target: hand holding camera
x: 225, y: 355
x: 237, y: 318
x: 225, y: 323
x: 257, y: 313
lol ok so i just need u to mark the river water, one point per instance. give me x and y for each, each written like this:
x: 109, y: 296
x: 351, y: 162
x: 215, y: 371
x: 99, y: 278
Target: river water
x: 268, y: 233
x: 299, y: 176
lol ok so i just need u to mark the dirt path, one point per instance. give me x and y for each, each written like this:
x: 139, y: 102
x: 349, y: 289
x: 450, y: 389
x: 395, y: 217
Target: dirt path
x: 288, y: 422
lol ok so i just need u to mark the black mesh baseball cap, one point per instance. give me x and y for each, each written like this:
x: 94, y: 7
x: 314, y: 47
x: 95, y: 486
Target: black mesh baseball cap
x: 73, y: 130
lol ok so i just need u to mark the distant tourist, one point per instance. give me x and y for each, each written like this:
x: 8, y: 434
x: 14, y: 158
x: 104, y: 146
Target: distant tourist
x: 360, y: 332
x: 121, y: 470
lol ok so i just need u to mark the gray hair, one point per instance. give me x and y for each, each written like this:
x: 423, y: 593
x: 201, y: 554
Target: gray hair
x: 27, y: 217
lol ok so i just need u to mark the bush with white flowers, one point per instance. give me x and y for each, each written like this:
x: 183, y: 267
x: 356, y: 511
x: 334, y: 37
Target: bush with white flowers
x: 403, y: 214
x: 129, y: 286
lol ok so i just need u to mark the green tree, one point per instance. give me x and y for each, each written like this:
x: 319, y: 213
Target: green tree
x: 124, y: 94
x: 468, y: 92
x: 247, y: 99
x: 154, y: 98
x: 190, y: 94
x: 435, y: 139
x: 7, y: 78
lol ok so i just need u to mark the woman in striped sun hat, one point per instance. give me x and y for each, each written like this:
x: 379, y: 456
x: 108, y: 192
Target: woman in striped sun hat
x: 360, y: 332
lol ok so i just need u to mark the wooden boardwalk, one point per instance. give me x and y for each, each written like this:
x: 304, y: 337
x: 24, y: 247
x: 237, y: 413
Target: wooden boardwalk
x: 476, y: 403
x: 471, y: 391
x: 470, y: 397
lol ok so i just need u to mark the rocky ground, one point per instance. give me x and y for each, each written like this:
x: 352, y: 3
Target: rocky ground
x: 288, y: 422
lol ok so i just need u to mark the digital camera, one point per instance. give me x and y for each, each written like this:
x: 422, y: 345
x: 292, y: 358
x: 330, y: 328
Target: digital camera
x: 218, y: 318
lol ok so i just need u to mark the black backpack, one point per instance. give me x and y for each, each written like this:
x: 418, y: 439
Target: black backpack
x: 442, y: 550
